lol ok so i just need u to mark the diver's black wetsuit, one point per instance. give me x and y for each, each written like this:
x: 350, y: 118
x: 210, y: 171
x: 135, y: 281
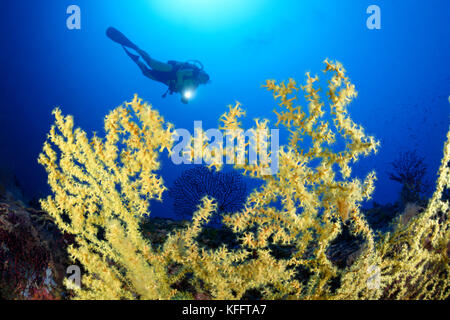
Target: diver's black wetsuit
x: 166, y: 73
x: 163, y: 76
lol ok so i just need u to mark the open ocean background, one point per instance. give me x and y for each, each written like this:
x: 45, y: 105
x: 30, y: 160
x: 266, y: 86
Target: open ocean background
x: 402, y: 72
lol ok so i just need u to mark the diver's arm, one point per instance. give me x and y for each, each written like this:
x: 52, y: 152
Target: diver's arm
x: 182, y: 75
x: 154, y: 64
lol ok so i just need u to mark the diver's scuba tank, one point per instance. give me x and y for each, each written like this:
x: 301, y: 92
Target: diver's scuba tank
x: 195, y: 65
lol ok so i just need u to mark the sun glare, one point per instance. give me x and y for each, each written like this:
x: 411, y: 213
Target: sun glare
x: 207, y: 13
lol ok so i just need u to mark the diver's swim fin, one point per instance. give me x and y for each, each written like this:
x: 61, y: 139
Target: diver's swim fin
x: 117, y: 36
x: 132, y: 56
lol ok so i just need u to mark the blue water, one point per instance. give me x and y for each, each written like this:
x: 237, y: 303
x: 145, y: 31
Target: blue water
x: 402, y: 72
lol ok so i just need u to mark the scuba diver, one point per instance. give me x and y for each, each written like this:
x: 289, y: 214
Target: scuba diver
x: 180, y: 77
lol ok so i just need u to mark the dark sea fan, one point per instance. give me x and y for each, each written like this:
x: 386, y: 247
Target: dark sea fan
x: 410, y: 170
x: 229, y: 190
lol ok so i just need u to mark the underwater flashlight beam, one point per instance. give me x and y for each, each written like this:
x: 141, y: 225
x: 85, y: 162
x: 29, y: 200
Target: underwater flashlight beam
x: 188, y: 94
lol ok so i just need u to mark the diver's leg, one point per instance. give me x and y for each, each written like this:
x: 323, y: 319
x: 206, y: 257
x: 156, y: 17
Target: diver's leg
x: 133, y: 57
x: 154, y: 64
x: 145, y: 70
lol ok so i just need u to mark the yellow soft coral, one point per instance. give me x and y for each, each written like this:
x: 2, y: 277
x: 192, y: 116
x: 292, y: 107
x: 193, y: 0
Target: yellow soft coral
x: 103, y: 186
x: 416, y: 254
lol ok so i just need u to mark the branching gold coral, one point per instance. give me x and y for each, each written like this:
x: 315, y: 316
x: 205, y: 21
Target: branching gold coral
x: 102, y: 187
x: 416, y: 254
